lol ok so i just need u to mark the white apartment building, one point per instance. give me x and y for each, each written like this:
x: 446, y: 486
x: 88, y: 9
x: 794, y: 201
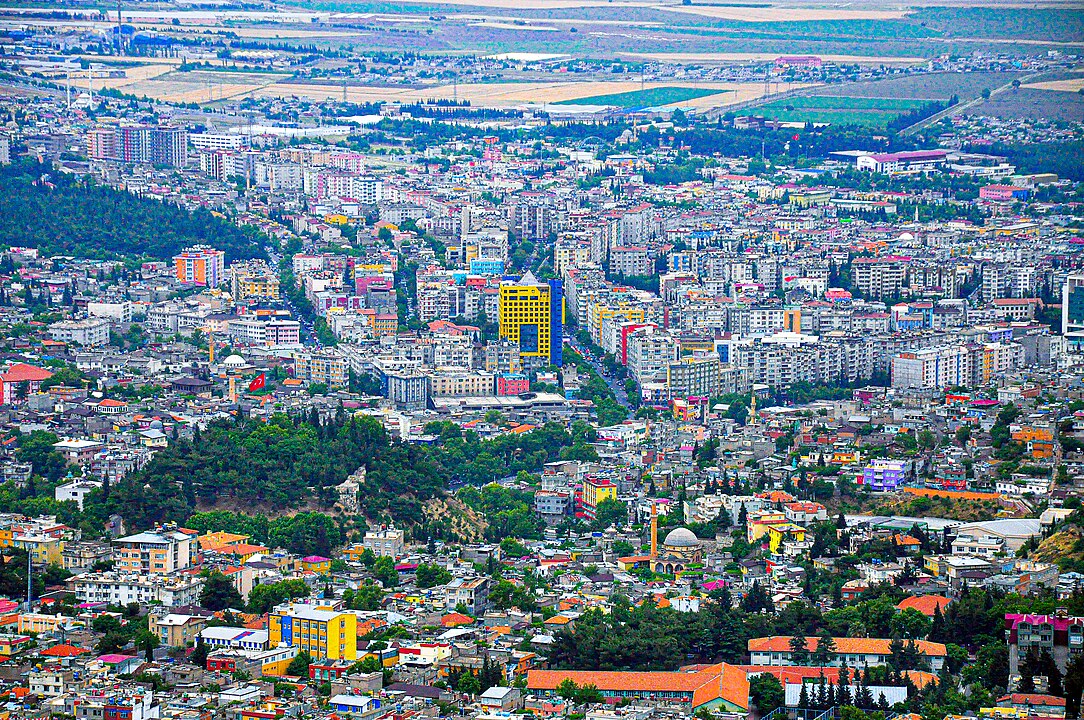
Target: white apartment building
x: 118, y: 311
x: 385, y: 542
x: 932, y: 368
x: 649, y: 354
x: 115, y: 588
x: 92, y: 332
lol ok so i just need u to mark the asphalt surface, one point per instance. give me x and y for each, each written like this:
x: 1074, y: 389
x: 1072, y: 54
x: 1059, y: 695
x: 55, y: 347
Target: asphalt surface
x: 616, y: 384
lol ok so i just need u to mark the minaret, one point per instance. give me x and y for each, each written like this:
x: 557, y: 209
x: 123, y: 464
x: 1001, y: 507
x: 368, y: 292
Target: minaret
x: 753, y: 408
x: 654, y: 533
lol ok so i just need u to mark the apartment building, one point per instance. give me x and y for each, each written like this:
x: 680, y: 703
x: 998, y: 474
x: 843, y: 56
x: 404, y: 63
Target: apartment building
x: 932, y: 368
x: 158, y: 552
x: 121, y: 588
x: 92, y: 332
x: 385, y: 542
x: 322, y: 367
x: 200, y: 265
x: 694, y: 377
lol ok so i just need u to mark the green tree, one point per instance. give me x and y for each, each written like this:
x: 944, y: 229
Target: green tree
x: 799, y: 650
x: 219, y: 593
x: 469, y: 684
x: 429, y: 575
x: 368, y: 597
x: 766, y: 693
x: 146, y: 641
x: 610, y: 512
x: 567, y: 689
x: 384, y: 571
x: 198, y: 656
x: 299, y: 666
x: 910, y: 624
x: 588, y: 695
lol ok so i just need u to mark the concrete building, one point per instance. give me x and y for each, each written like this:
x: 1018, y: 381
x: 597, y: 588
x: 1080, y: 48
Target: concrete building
x: 158, y: 552
x: 92, y: 332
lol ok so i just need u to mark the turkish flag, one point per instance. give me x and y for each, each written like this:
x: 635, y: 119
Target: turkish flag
x: 258, y: 383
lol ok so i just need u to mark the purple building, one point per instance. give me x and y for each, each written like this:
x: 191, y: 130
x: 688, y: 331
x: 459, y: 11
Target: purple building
x: 884, y: 475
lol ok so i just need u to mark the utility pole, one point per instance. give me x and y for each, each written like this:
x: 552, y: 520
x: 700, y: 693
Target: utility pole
x: 29, y: 580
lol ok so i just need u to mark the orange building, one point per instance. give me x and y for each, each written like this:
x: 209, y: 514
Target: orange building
x: 1038, y: 439
x: 201, y: 265
x: 723, y: 687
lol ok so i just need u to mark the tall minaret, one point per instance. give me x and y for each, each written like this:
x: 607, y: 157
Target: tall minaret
x: 753, y: 408
x: 654, y: 533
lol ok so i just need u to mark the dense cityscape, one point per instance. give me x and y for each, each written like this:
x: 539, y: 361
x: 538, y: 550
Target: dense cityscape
x: 353, y: 369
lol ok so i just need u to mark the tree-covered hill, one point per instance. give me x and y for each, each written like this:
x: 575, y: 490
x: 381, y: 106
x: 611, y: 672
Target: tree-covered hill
x: 72, y: 216
x: 292, y: 463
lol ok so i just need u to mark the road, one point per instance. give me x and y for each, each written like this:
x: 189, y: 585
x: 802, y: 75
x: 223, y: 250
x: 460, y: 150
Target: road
x: 960, y: 107
x: 617, y: 386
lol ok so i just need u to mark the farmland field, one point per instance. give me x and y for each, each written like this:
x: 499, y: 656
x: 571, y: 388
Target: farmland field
x: 871, y: 112
x: 935, y: 86
x: 1032, y: 103
x: 652, y: 97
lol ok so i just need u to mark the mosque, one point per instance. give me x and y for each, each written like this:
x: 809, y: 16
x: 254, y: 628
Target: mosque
x: 680, y: 549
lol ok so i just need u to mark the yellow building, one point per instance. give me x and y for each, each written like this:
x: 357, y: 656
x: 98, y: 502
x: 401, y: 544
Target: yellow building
x: 759, y: 523
x: 531, y: 313
x: 174, y: 629
x: 317, y: 564
x: 778, y: 534
x: 42, y: 623
x: 43, y: 549
x: 594, y: 492
x: 321, y: 633
x: 258, y: 287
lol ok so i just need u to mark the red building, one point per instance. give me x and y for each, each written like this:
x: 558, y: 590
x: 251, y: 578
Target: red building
x: 12, y: 382
x: 512, y: 384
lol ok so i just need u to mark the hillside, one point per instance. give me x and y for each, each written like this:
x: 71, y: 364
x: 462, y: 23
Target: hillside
x: 1065, y: 548
x: 289, y: 463
x: 67, y: 216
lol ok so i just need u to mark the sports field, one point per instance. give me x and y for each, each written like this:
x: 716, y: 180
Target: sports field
x: 653, y: 97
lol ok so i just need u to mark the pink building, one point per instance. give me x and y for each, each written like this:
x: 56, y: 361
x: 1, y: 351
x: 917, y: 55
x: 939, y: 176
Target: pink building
x: 1003, y: 193
x: 512, y: 384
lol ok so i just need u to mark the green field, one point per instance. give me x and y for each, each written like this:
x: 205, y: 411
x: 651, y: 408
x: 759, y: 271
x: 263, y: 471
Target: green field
x: 870, y: 112
x: 645, y: 98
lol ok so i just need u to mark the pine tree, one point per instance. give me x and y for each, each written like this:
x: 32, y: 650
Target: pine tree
x: 937, y: 628
x: 803, y: 697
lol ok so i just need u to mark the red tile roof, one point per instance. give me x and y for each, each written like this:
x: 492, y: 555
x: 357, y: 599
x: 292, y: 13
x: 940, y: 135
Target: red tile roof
x: 925, y: 604
x: 1032, y: 699
x: 716, y: 681
x: 63, y: 651
x: 844, y: 645
x: 21, y: 372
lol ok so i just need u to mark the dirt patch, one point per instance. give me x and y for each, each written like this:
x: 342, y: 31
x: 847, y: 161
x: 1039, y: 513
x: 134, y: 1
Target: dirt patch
x: 460, y: 520
x: 1064, y: 546
x: 1074, y: 85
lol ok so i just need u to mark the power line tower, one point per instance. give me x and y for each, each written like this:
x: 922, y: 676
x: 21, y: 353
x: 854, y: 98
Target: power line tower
x: 120, y: 32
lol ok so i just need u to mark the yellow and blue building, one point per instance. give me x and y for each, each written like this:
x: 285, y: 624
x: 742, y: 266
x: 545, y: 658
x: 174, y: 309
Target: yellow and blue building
x: 319, y: 632
x: 532, y: 314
